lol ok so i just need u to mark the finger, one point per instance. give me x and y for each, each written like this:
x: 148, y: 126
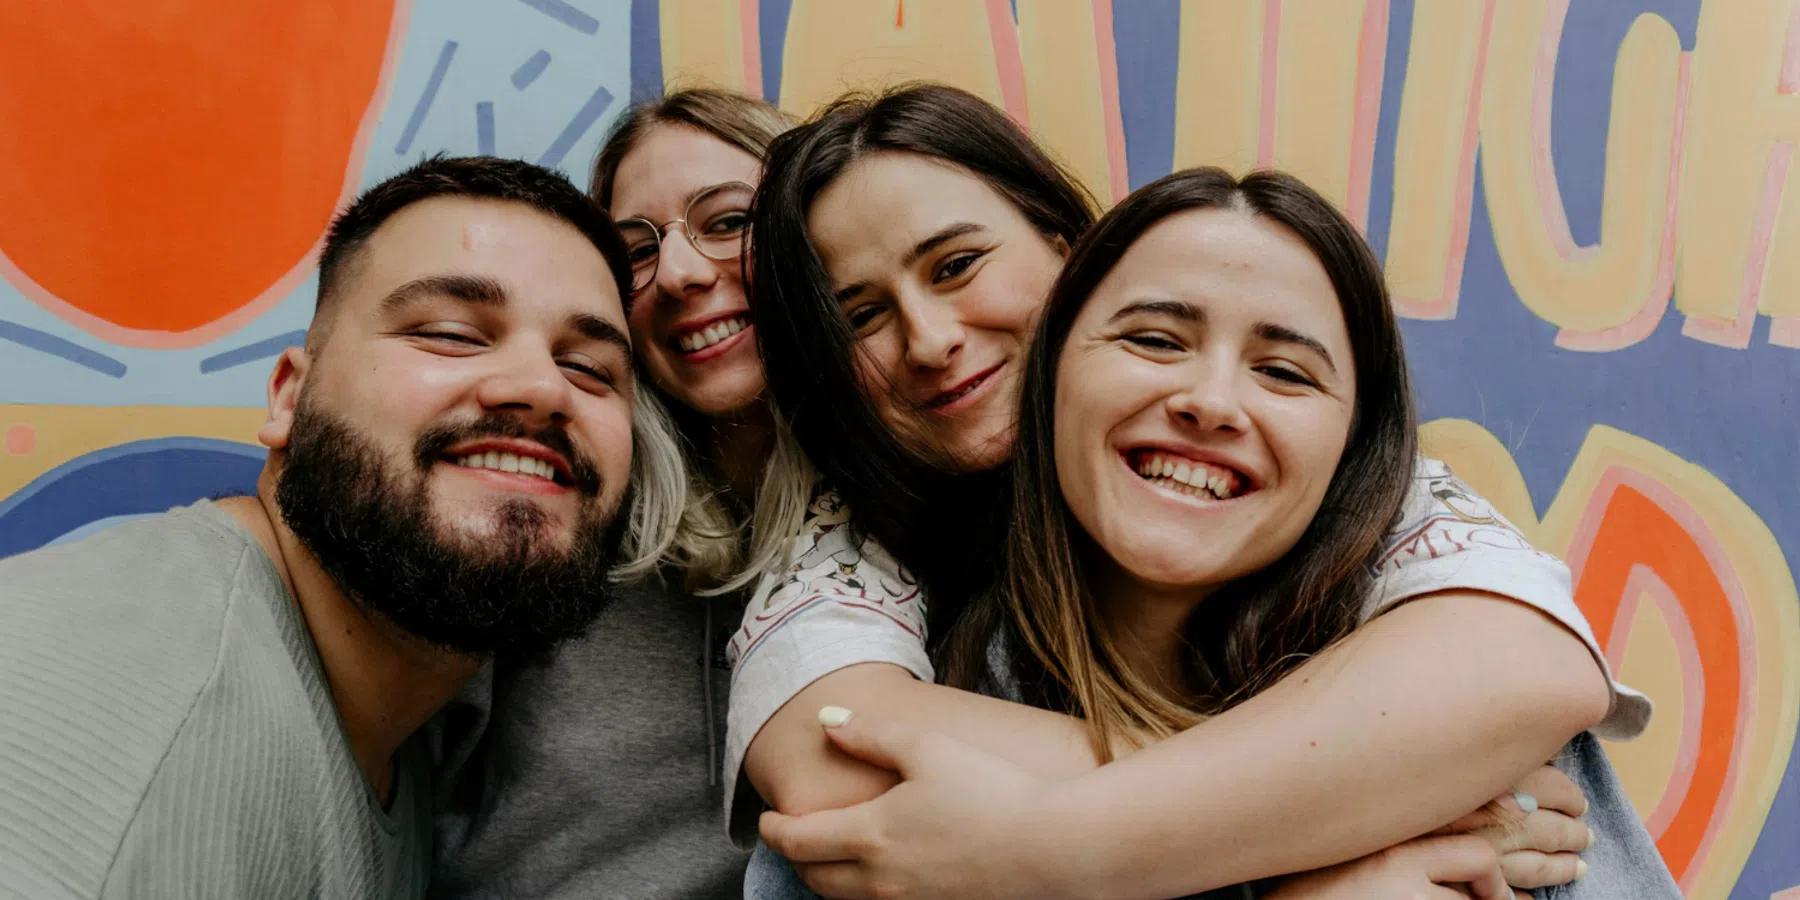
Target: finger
x: 1459, y: 859
x: 1530, y: 869
x: 830, y: 836
x: 1544, y: 831
x: 1554, y: 790
x: 1475, y: 821
x: 836, y: 880
x: 1493, y: 821
x: 884, y: 744
x: 1491, y: 885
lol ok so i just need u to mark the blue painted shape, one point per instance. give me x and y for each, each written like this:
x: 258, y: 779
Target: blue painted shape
x: 250, y: 353
x: 566, y: 14
x: 646, y: 50
x: 578, y: 126
x: 1147, y: 38
x: 772, y: 23
x: 131, y: 479
x: 484, y: 128
x: 1387, y: 126
x: 45, y: 342
x: 528, y: 71
x: 1581, y: 99
x: 97, y: 526
x: 426, y: 98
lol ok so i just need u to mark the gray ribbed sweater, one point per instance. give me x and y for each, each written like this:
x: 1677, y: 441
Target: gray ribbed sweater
x: 166, y: 730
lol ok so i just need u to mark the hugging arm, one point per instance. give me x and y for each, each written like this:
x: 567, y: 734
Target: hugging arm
x: 1322, y: 768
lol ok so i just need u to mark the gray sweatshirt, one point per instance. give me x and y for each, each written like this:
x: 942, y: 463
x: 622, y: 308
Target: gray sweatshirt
x: 596, y: 773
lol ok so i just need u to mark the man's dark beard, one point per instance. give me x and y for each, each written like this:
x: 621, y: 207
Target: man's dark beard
x: 374, y: 532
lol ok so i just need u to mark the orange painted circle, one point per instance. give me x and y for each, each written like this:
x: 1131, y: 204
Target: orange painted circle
x: 162, y: 165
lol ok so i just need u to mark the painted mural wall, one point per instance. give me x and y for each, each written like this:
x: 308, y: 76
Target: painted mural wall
x: 1583, y: 206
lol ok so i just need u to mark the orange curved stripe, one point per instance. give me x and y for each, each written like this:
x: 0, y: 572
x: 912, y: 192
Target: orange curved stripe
x: 1635, y: 530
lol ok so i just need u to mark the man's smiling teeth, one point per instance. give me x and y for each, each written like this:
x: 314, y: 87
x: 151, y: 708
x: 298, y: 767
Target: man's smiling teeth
x: 712, y: 334
x: 1189, y: 476
x: 509, y: 462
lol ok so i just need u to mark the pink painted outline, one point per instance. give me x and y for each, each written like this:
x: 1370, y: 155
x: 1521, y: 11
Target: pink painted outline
x: 1004, y: 32
x: 1736, y: 333
x: 1371, y: 69
x: 1271, y: 52
x: 750, y: 44
x: 271, y: 296
x: 1785, y: 333
x: 1618, y: 475
x: 1444, y: 305
x: 1643, y: 581
x: 1543, y: 170
x: 1107, y: 54
x: 1643, y: 324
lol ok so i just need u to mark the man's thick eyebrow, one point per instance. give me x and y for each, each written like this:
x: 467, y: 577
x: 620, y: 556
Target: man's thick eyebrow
x: 463, y: 288
x: 1269, y: 331
x: 935, y: 240
x: 595, y: 328
x: 1180, y: 309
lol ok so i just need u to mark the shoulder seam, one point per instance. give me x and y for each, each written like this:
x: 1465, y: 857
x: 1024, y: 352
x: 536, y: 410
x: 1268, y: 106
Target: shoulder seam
x: 211, y: 678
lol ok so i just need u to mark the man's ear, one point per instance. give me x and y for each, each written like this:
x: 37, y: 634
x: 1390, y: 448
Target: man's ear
x: 285, y: 383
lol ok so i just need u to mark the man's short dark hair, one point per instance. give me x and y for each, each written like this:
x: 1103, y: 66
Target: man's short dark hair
x: 483, y: 177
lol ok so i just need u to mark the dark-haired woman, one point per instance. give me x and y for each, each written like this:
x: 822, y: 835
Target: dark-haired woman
x: 904, y: 249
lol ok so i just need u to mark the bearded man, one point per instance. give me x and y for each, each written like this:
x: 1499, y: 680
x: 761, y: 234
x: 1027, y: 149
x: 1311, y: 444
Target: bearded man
x: 222, y: 701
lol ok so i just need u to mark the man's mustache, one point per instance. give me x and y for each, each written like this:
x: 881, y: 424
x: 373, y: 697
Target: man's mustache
x: 438, y: 440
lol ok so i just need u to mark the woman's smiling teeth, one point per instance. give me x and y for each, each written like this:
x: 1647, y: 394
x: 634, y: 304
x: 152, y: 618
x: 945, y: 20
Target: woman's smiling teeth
x: 1187, y: 476
x: 711, y: 334
x: 509, y: 462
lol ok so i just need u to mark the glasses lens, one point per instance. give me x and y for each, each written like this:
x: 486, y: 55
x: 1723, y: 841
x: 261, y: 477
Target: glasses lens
x: 719, y: 219
x: 642, y: 248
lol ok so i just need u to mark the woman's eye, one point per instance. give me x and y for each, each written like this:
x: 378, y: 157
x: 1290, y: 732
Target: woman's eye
x: 862, y: 316
x: 729, y: 223
x: 1283, y: 373
x: 954, y: 266
x: 1152, y: 341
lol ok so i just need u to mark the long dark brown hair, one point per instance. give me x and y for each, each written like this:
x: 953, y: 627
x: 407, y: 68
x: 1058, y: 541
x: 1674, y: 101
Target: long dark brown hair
x: 930, y: 515
x: 1248, y: 634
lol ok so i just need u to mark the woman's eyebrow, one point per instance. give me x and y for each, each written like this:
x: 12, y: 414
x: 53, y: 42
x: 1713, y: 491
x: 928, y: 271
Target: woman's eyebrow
x: 1282, y: 334
x: 1180, y: 309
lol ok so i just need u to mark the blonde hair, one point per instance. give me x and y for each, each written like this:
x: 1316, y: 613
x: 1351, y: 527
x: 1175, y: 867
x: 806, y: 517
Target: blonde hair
x: 678, y: 519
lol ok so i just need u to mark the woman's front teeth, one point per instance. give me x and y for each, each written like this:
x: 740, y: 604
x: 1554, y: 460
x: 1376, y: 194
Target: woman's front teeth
x: 1196, y: 475
x: 509, y: 462
x: 712, y: 334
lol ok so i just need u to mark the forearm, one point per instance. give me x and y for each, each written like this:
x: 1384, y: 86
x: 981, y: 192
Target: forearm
x: 798, y: 771
x: 1416, y: 719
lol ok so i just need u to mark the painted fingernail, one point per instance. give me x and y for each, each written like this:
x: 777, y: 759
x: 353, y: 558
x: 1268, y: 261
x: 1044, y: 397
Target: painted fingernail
x: 833, y: 716
x: 1581, y: 869
x: 1526, y: 802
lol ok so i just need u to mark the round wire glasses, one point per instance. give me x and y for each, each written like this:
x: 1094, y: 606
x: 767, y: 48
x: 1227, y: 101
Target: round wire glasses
x: 715, y: 222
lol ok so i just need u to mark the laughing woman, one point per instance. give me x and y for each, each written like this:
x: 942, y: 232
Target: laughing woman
x: 905, y: 247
